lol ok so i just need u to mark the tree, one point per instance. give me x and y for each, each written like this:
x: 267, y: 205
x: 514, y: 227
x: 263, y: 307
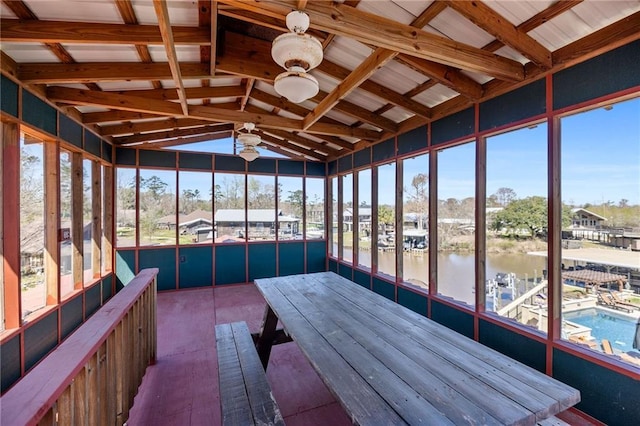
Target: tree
x: 505, y: 195
x: 386, y: 216
x: 295, y: 201
x: 528, y: 214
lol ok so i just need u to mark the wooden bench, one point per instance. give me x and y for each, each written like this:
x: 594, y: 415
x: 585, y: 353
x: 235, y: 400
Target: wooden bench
x: 245, y: 395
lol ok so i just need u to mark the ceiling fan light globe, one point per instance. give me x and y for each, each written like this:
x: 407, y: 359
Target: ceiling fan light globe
x: 296, y: 86
x: 249, y: 153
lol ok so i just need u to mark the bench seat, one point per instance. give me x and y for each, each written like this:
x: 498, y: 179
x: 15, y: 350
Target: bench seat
x: 245, y: 395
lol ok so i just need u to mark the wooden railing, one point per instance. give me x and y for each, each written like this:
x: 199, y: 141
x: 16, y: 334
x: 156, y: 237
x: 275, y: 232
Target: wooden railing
x: 93, y: 376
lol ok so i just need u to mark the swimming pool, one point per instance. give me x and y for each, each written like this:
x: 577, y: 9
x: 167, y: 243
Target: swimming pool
x: 618, y: 329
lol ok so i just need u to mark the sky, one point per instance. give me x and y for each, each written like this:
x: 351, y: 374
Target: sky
x: 600, y: 162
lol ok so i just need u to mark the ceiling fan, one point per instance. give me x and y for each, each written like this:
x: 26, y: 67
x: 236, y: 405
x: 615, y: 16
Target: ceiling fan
x: 249, y: 142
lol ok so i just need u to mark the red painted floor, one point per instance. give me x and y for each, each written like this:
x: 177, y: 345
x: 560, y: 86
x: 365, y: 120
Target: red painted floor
x: 181, y: 389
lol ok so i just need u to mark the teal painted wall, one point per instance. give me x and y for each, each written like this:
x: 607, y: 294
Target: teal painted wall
x: 195, y: 266
x: 230, y: 264
x: 262, y: 261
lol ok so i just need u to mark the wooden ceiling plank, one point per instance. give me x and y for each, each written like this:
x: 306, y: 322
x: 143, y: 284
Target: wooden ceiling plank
x: 372, y: 29
x: 498, y: 26
x: 162, y: 13
x: 89, y: 72
x: 25, y: 31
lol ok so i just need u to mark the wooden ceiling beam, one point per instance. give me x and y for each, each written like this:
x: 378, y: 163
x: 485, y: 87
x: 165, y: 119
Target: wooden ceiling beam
x: 378, y: 59
x: 362, y: 72
x: 339, y: 72
x: 293, y: 155
x: 172, y: 134
x: 445, y: 75
x: 162, y: 13
x: 538, y: 19
x: 150, y: 126
x: 30, y: 31
x: 191, y: 92
x: 332, y: 139
x: 115, y: 116
x: 500, y: 27
x: 128, y: 15
x: 295, y: 138
x: 379, y: 31
x: 273, y: 121
x: 282, y: 143
x: 183, y: 140
x: 47, y: 73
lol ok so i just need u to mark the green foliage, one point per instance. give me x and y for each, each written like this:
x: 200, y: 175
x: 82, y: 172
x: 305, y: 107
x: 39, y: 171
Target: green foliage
x: 526, y: 215
x: 386, y: 215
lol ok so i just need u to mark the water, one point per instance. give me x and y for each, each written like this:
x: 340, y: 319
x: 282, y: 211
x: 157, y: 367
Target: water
x: 456, y: 271
x: 604, y: 325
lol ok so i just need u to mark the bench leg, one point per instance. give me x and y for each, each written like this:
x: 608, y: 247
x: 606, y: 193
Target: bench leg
x: 267, y: 335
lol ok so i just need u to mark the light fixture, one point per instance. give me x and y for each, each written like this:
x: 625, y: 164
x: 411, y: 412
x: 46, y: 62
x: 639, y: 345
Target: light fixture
x: 298, y: 53
x: 249, y: 153
x: 249, y: 142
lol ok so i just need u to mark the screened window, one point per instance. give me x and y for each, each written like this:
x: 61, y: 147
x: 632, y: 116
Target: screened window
x: 387, y: 219
x: 290, y: 208
x: 195, y: 215
x: 261, y: 214
x: 229, y: 208
x: 364, y: 218
x: 600, y: 152
x: 314, y: 208
x: 456, y: 222
x: 415, y: 221
x: 347, y: 217
x: 32, y: 222
x: 157, y: 216
x: 517, y: 225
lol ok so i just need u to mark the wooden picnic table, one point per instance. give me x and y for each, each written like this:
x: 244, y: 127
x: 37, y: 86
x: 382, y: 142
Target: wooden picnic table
x: 388, y: 365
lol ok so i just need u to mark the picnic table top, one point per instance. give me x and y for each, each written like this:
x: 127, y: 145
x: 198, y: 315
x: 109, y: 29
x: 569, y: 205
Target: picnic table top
x: 389, y: 365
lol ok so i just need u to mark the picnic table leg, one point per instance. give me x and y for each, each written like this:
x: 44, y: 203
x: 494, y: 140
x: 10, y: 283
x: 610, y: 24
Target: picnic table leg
x: 267, y: 335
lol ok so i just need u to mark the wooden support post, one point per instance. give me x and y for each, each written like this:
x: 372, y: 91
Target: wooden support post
x: 96, y: 218
x: 51, y: 223
x: 399, y: 222
x: 107, y: 220
x: 77, y: 207
x: 433, y: 222
x: 10, y: 224
x: 480, y: 221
